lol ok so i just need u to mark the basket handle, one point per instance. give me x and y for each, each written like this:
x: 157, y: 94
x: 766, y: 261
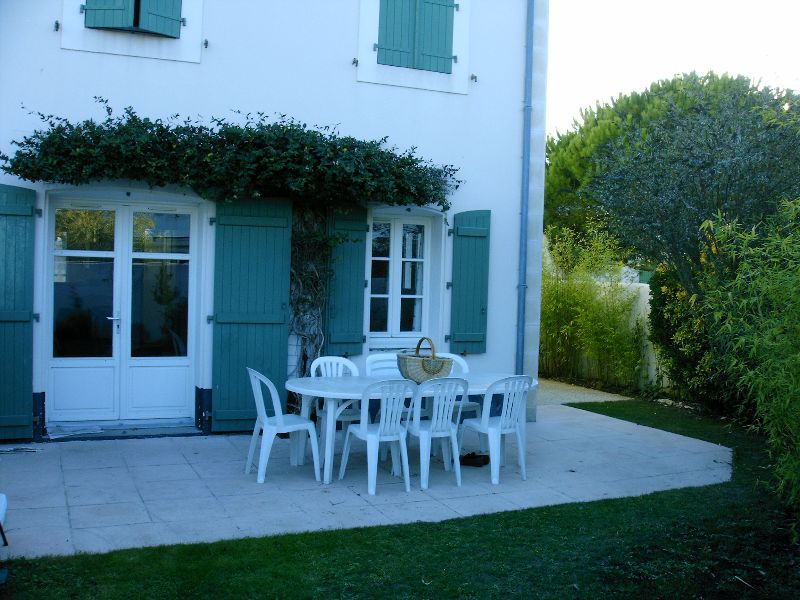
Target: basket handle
x: 430, y: 343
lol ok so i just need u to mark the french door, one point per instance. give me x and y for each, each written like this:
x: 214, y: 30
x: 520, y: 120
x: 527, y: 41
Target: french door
x: 121, y: 290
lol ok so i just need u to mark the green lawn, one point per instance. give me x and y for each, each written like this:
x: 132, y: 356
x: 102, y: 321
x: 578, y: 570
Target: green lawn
x: 721, y: 541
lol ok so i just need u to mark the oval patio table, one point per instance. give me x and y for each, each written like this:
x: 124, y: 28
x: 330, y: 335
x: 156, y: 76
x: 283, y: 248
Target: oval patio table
x: 339, y: 392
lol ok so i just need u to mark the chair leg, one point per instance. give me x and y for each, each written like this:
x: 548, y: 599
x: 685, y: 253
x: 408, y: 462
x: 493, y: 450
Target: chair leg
x: 266, y: 447
x: 446, y: 458
x: 424, y: 459
x: 394, y: 448
x: 372, y: 464
x: 502, y: 450
x: 312, y: 441
x: 456, y: 460
x: 404, y: 457
x: 252, y: 450
x: 494, y: 454
x: 345, y: 453
x: 521, y: 452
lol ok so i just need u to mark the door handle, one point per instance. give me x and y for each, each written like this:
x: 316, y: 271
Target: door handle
x: 116, y: 321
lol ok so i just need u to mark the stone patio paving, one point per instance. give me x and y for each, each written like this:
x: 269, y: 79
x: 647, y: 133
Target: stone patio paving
x: 97, y: 496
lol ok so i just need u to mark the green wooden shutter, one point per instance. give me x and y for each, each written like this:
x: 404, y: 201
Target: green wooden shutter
x: 109, y: 14
x: 416, y: 34
x: 397, y: 32
x: 251, y: 306
x: 470, y: 289
x: 16, y: 311
x: 434, y: 45
x: 162, y: 17
x: 345, y: 314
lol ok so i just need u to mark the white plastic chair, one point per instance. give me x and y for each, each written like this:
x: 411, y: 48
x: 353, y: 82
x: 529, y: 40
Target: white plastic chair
x: 461, y: 368
x: 391, y: 426
x: 442, y: 395
x: 271, y: 426
x: 3, y: 507
x: 335, y: 366
x: 383, y: 366
x: 511, y: 420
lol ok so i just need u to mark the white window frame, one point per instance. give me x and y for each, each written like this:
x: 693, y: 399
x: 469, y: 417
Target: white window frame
x: 393, y: 337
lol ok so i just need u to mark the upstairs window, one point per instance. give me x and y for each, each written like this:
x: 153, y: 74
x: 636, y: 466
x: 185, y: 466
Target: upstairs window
x: 157, y: 17
x: 417, y: 34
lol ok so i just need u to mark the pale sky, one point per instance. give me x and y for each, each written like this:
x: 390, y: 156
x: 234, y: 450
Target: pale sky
x: 601, y: 48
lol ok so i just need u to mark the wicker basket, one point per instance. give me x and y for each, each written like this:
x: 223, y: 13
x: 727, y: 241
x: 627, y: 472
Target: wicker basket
x: 421, y: 368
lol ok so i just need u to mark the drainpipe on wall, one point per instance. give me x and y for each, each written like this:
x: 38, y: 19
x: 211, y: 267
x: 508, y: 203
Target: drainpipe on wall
x: 522, y: 285
x: 532, y: 195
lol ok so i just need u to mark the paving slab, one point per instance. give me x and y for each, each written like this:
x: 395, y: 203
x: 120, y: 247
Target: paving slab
x: 99, y: 496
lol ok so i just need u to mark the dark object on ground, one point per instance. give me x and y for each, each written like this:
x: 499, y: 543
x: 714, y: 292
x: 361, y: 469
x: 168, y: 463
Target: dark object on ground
x: 474, y: 460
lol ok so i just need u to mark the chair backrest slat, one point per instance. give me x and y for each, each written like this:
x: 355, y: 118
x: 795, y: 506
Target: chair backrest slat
x: 395, y: 397
x: 515, y: 394
x: 443, y: 393
x: 256, y: 379
x: 383, y: 365
x: 333, y: 366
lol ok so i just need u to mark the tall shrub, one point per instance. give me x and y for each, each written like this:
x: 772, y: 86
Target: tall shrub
x: 586, y: 327
x: 755, y: 303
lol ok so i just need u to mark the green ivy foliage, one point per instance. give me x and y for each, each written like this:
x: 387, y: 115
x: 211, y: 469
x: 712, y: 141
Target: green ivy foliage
x: 755, y: 332
x: 248, y: 158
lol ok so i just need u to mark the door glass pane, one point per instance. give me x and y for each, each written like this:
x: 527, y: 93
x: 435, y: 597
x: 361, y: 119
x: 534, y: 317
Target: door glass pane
x: 380, y: 277
x: 83, y: 295
x: 412, y: 277
x: 159, y: 307
x: 411, y: 314
x: 161, y: 232
x: 413, y: 241
x: 378, y: 314
x: 380, y: 239
x: 84, y: 229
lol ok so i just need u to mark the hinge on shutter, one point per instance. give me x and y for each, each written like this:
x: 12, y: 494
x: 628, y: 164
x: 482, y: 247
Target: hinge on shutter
x: 363, y: 339
x: 450, y: 232
x: 183, y: 21
x: 455, y: 58
x: 456, y: 6
x: 212, y: 220
x: 375, y: 47
x: 35, y: 317
x: 83, y: 8
x: 447, y: 338
x: 366, y: 283
x: 38, y: 212
x: 210, y: 319
x: 449, y: 285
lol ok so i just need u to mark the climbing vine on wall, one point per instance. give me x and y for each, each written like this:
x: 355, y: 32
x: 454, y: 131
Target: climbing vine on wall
x: 245, y: 158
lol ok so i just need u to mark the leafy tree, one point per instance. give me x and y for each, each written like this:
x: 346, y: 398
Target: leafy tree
x: 711, y: 151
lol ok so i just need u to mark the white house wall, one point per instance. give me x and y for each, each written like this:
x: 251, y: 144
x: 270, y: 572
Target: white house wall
x: 297, y: 58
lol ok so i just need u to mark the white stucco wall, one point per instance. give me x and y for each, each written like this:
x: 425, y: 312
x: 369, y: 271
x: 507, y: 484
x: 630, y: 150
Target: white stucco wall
x: 296, y: 58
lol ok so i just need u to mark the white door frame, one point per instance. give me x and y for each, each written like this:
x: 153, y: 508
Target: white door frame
x: 122, y: 406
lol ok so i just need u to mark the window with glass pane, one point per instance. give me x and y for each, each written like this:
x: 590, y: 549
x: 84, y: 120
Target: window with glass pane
x: 397, y: 277
x: 161, y: 233
x: 159, y: 307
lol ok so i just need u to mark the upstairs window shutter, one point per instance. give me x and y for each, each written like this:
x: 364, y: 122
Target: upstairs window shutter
x: 435, y: 36
x: 162, y: 17
x: 109, y: 14
x: 158, y: 17
x: 416, y: 34
x: 470, y: 289
x: 345, y: 311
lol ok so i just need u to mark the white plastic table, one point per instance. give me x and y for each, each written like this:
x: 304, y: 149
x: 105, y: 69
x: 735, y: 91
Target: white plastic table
x: 337, y: 391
